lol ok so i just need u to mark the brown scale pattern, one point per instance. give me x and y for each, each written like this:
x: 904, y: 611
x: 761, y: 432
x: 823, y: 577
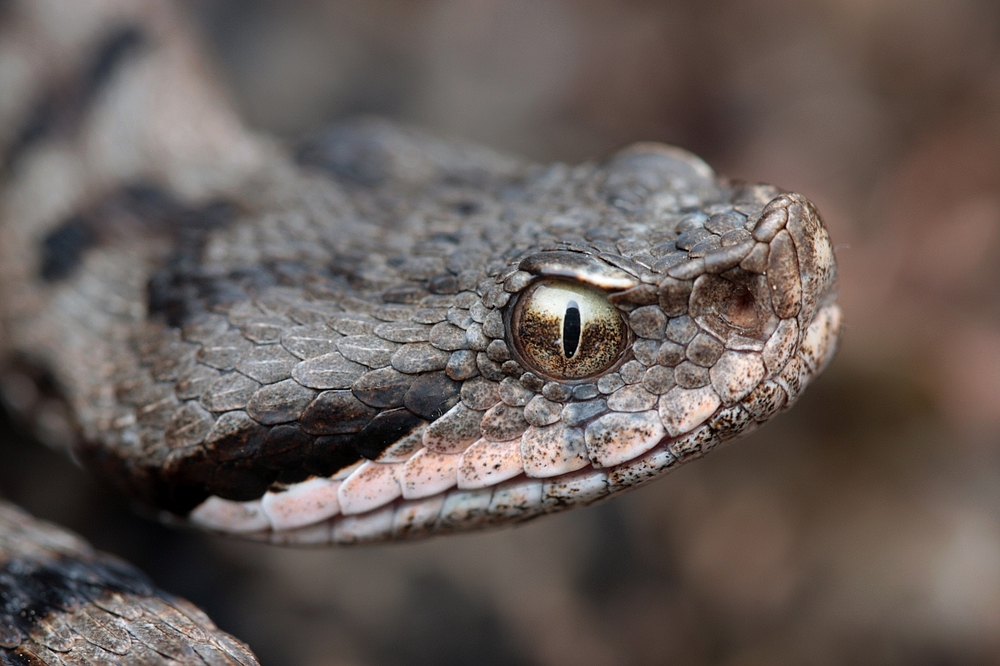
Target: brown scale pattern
x: 316, y: 316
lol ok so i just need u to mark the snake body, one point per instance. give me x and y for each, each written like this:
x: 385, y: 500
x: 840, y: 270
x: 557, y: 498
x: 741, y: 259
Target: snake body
x: 62, y: 603
x: 322, y: 345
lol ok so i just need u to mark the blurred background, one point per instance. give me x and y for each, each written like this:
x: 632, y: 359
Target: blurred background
x: 862, y: 527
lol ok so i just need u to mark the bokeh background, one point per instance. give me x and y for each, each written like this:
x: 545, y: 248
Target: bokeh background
x: 862, y: 527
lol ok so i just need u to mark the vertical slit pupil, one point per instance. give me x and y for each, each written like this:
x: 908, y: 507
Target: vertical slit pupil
x: 571, y: 329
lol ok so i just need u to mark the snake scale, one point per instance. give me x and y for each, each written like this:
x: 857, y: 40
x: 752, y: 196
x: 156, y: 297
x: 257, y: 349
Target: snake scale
x: 376, y: 335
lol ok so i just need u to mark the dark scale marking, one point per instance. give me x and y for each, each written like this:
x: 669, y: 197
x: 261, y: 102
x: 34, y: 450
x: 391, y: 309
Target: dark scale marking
x: 31, y: 590
x: 182, y: 289
x: 466, y: 208
x: 240, y: 466
x: 335, y: 431
x: 336, y: 413
x: 141, y: 210
x: 61, y: 602
x: 382, y: 388
x: 244, y: 464
x: 63, y: 107
x: 385, y: 429
x: 431, y: 395
x: 332, y: 454
x: 443, y: 284
x: 110, y: 56
x: 63, y: 248
x: 283, y: 447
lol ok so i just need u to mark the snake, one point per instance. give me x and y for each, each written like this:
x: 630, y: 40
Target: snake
x: 373, y: 334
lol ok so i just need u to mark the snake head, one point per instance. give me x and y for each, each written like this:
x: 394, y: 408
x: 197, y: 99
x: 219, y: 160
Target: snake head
x: 722, y: 326
x: 457, y: 339
x: 651, y: 314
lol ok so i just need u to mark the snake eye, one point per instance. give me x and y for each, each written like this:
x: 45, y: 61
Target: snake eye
x: 567, y: 331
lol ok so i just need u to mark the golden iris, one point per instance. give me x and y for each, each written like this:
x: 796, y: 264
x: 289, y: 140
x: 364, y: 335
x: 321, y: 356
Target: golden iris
x: 566, y: 330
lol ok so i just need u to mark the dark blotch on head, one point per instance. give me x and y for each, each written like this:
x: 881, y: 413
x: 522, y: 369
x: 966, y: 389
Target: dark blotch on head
x: 61, y: 109
x: 63, y: 248
x: 110, y: 55
x: 182, y: 288
x: 138, y: 209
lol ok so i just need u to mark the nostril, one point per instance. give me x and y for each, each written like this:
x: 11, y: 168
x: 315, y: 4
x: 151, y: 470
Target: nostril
x: 740, y: 309
x: 733, y: 307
